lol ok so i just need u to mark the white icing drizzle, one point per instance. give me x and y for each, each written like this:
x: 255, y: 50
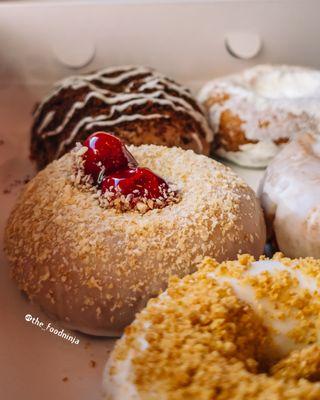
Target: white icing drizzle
x: 120, y: 103
x: 155, y: 88
x: 196, y: 139
x: 46, y: 120
x: 88, y: 122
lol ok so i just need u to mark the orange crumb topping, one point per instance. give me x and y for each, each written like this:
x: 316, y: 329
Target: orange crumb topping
x: 202, y: 342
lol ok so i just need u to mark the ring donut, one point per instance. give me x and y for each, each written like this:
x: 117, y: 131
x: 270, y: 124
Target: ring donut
x: 290, y: 196
x: 241, y: 329
x: 93, y: 265
x: 256, y: 112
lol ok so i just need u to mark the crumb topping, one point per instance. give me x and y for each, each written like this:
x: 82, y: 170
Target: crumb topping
x: 293, y: 292
x: 84, y: 262
x: 201, y: 341
x: 114, y: 198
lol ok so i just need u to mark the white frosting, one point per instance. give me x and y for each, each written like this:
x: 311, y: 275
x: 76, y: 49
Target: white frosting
x: 266, y: 308
x: 290, y: 196
x: 251, y: 155
x: 153, y: 89
x: 293, y: 84
x: 119, y: 385
x: 273, y: 102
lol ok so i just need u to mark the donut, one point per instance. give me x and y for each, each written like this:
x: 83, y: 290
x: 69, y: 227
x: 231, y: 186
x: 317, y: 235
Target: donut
x: 290, y: 196
x: 91, y: 256
x: 241, y: 329
x: 136, y: 103
x: 256, y: 112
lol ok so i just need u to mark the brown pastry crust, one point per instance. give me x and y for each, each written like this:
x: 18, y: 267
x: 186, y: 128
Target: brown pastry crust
x: 231, y: 134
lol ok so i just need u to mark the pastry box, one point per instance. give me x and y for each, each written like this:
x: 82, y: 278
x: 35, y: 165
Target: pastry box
x: 42, y: 42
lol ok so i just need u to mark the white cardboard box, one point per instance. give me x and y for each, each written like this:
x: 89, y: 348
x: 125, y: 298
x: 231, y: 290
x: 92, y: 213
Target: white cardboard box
x: 42, y: 42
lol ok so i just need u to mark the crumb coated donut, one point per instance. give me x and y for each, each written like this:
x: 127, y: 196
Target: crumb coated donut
x: 138, y: 104
x: 94, y: 268
x: 255, y: 113
x: 237, y: 330
x: 290, y: 196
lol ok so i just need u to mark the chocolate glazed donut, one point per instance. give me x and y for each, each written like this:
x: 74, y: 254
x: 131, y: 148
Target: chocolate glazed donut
x: 137, y: 104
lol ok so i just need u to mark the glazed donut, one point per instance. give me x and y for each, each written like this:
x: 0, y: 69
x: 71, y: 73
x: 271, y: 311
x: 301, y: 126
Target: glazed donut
x: 238, y: 330
x: 255, y: 113
x: 138, y: 104
x: 93, y: 264
x: 290, y: 196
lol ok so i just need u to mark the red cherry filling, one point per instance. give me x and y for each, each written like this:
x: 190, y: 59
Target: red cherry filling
x: 138, y: 182
x: 105, y: 155
x: 123, y: 184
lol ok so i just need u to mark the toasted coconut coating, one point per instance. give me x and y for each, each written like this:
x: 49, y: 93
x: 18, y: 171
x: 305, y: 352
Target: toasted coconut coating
x: 94, y: 267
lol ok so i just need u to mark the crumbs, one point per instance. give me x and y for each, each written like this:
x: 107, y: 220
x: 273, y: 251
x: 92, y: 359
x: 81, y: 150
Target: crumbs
x: 16, y: 183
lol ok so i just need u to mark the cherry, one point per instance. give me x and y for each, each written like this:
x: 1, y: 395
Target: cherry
x: 105, y: 155
x: 140, y: 182
x: 115, y: 171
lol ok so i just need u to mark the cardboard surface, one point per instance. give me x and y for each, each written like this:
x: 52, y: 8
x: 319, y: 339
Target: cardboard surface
x: 185, y: 41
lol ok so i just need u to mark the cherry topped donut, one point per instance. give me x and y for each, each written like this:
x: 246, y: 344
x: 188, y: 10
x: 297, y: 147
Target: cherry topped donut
x: 98, y: 232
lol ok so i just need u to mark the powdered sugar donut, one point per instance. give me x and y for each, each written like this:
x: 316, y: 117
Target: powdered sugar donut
x: 136, y: 103
x: 92, y: 259
x: 237, y: 330
x: 290, y: 196
x: 255, y: 113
